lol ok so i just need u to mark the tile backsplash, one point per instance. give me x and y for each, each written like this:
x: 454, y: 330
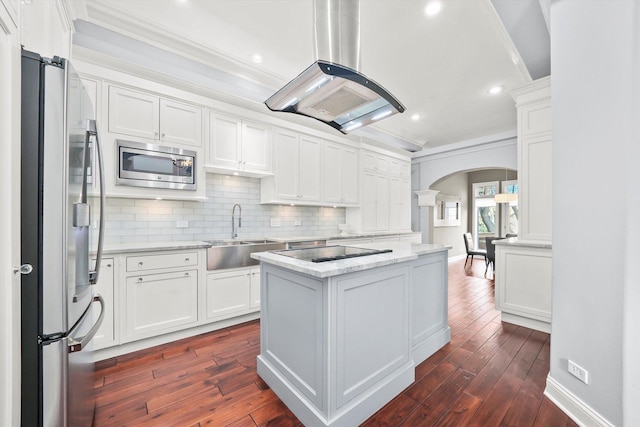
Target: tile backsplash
x: 141, y: 220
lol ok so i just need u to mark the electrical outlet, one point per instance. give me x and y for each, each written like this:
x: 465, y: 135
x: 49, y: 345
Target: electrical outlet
x: 182, y: 224
x: 578, y: 372
x: 275, y: 222
x: 298, y: 223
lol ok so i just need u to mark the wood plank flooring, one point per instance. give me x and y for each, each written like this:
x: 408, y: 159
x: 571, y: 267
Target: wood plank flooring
x: 490, y: 374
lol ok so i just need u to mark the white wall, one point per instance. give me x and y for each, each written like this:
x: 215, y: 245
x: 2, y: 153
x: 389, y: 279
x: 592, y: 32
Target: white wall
x: 455, y: 185
x: 9, y: 214
x: 595, y: 96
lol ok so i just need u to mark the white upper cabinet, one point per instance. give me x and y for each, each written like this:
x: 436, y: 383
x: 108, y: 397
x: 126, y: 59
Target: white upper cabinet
x: 385, y: 194
x: 297, y: 169
x: 180, y: 123
x: 312, y: 171
x: 238, y: 146
x: 147, y: 116
x: 308, y: 168
x: 340, y: 175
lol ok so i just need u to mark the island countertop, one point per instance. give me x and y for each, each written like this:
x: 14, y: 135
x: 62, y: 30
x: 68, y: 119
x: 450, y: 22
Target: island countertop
x: 401, y: 252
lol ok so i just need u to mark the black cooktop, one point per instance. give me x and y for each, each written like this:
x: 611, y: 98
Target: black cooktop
x: 329, y: 253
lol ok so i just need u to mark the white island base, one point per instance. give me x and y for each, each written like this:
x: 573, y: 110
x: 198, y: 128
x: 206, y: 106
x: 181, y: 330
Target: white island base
x: 341, y: 339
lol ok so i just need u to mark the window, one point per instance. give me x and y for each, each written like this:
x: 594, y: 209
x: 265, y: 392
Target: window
x: 510, y: 210
x: 485, y: 212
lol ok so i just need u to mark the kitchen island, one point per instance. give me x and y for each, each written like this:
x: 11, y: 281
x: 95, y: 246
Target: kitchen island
x: 340, y: 339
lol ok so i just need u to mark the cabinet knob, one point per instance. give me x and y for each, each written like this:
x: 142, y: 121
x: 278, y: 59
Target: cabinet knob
x: 186, y: 275
x: 155, y: 135
x: 108, y: 265
x: 163, y: 135
x: 140, y: 264
x: 186, y: 260
x: 139, y: 279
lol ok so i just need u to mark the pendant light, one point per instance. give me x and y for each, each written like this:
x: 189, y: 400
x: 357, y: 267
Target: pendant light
x: 505, y: 197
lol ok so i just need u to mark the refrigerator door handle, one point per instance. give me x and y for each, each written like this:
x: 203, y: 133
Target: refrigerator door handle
x: 76, y: 345
x: 92, y: 130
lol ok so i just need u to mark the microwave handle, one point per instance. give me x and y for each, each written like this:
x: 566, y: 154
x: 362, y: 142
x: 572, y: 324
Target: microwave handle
x: 92, y: 130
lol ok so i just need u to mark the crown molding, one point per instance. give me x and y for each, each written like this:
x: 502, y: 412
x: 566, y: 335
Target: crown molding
x: 161, y: 37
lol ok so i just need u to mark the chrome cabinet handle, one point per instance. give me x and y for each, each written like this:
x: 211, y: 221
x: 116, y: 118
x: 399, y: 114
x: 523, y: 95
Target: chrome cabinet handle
x: 24, y: 269
x: 139, y: 279
x: 186, y: 260
x: 186, y: 275
x: 140, y: 264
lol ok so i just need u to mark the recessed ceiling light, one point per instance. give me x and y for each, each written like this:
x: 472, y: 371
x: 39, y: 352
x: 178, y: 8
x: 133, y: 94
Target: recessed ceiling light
x: 416, y: 117
x: 433, y: 8
x: 257, y: 58
x: 494, y: 90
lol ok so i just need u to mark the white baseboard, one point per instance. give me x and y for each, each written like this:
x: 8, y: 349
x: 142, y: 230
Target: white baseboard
x: 457, y: 257
x: 576, y: 409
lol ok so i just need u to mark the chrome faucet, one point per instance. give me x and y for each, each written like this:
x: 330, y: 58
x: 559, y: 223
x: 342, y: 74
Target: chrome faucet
x: 234, y: 230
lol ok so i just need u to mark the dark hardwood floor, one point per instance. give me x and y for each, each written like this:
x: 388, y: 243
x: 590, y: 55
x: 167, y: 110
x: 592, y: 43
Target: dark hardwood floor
x: 490, y: 374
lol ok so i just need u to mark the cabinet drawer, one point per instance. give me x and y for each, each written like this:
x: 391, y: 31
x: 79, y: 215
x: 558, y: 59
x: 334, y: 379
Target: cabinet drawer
x: 160, y: 302
x: 153, y: 262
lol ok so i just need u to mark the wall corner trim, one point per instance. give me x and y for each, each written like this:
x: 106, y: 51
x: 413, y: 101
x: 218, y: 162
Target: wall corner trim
x: 575, y: 408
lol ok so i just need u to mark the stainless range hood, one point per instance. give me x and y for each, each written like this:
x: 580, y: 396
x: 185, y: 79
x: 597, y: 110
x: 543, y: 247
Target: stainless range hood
x: 331, y: 89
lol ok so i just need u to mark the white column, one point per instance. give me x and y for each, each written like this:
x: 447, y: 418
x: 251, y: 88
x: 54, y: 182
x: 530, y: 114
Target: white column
x: 595, y: 152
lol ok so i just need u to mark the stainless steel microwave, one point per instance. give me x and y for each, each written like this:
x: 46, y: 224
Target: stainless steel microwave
x: 150, y: 165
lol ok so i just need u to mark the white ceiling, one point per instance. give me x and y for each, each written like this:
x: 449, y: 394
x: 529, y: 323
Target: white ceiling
x: 439, y: 67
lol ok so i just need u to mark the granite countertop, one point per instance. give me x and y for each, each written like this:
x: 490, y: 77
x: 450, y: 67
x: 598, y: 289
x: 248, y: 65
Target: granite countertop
x: 119, y: 248
x: 341, y: 237
x: 515, y: 241
x: 402, y: 251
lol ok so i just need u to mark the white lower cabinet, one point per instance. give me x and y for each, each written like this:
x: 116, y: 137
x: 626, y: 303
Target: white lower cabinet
x: 160, y: 302
x: 523, y: 285
x: 233, y: 292
x: 106, y: 335
x: 255, y: 288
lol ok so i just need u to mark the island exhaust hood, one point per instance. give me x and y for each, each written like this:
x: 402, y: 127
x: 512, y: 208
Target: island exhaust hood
x: 331, y: 90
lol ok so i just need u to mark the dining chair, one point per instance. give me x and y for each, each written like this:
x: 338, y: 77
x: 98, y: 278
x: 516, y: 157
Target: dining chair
x: 491, y: 254
x: 471, y: 250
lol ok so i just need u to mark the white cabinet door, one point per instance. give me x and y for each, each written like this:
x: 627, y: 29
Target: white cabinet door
x: 399, y: 208
x: 224, y: 141
x: 286, y: 167
x: 105, y: 287
x: 369, y: 205
x: 332, y: 174
x: 228, y: 293
x: 180, y: 123
x: 309, y: 170
x: 133, y: 113
x: 255, y: 147
x: 255, y: 288
x: 160, y: 302
x: 350, y: 176
x: 382, y: 202
x: 340, y: 175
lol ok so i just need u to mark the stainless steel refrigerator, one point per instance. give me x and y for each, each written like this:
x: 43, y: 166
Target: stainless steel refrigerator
x: 59, y: 311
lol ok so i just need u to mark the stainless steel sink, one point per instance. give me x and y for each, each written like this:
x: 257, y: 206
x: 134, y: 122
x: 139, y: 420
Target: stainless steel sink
x: 234, y: 254
x: 226, y: 243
